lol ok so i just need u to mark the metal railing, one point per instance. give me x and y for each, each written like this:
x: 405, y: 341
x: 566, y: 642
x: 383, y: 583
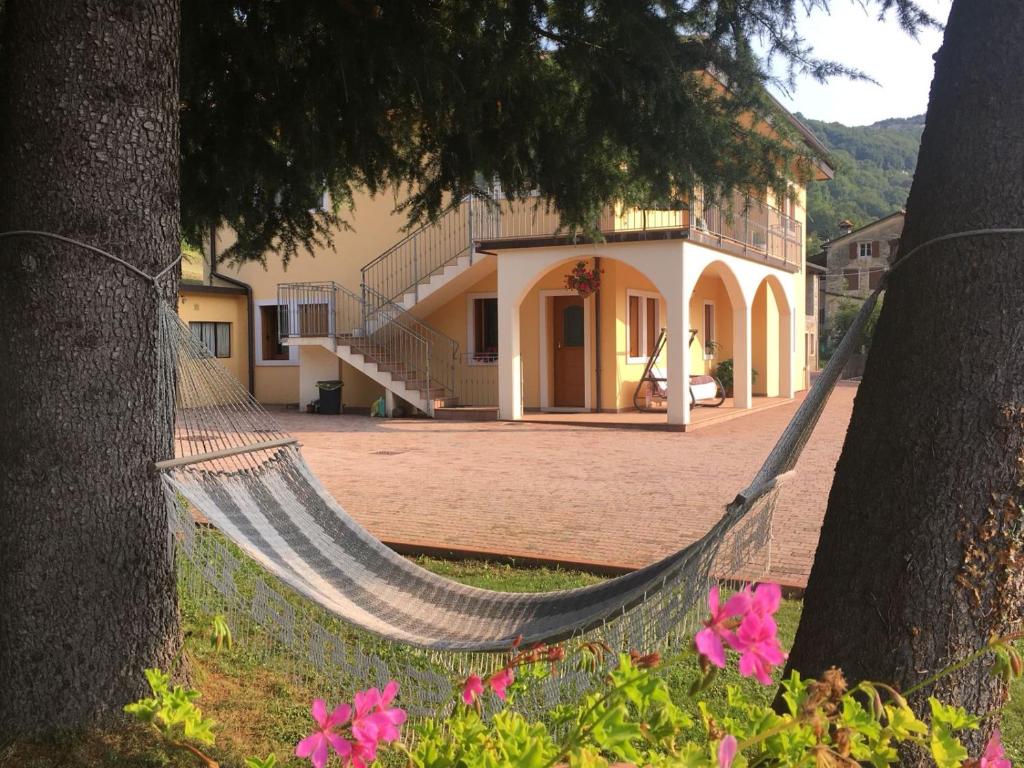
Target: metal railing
x: 750, y: 226
x: 741, y: 225
x: 477, y: 378
x: 403, y: 346
x: 306, y: 309
x: 424, y: 357
x: 413, y: 259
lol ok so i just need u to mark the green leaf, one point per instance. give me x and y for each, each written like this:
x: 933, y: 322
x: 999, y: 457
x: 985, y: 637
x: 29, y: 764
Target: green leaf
x: 254, y: 762
x: 946, y: 749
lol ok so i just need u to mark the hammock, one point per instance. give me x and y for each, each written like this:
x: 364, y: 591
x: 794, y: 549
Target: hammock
x: 247, y: 477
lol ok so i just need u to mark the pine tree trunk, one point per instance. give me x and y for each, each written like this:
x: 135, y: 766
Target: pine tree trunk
x: 919, y: 561
x: 88, y: 149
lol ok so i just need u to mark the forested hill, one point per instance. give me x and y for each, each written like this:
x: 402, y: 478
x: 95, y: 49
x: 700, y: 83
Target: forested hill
x: 875, y: 164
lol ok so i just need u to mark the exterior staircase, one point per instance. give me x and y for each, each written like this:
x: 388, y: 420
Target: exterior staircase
x: 376, y: 332
x: 417, y: 267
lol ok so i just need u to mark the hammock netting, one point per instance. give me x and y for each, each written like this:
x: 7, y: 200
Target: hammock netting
x: 350, y: 612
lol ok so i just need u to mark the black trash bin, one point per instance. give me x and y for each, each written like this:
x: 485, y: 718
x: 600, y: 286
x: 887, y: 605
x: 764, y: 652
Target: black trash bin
x: 330, y: 397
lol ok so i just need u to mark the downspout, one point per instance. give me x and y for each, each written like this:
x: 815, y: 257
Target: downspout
x: 597, y: 334
x: 248, y: 307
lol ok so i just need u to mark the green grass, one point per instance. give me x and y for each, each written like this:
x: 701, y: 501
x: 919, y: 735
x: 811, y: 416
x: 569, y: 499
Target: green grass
x: 261, y: 706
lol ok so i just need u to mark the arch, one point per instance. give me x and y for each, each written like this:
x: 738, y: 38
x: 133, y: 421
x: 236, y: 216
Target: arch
x: 525, y: 272
x: 772, y: 338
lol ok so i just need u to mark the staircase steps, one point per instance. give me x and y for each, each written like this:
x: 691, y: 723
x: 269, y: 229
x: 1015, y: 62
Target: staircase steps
x: 466, y: 413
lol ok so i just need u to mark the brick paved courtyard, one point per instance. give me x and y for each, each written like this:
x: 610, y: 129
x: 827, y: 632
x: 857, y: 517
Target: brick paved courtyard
x: 620, y: 497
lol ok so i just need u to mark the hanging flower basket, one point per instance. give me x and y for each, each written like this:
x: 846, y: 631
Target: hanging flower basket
x: 583, y: 280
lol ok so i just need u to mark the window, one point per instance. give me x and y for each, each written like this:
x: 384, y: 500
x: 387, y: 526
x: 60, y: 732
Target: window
x: 852, y: 279
x: 811, y: 347
x: 273, y: 349
x: 643, y: 323
x: 708, y: 329
x: 483, y: 329
x: 864, y: 250
x: 216, y: 336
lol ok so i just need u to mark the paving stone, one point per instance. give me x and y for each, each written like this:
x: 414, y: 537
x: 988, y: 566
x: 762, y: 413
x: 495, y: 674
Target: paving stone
x: 617, y: 497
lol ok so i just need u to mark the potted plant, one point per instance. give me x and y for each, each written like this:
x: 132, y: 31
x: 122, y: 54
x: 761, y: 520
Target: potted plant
x: 724, y: 373
x: 585, y: 281
x: 710, y: 348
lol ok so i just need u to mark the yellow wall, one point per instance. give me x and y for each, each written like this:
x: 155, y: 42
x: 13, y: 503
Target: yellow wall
x: 375, y: 227
x: 221, y: 308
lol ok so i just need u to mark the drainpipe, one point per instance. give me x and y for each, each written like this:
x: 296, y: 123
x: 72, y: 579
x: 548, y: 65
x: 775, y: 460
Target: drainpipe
x: 248, y: 307
x: 597, y: 334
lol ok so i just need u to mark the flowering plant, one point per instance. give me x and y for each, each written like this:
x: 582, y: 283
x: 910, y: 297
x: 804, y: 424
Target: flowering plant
x: 633, y: 718
x: 353, y: 732
x: 583, y: 280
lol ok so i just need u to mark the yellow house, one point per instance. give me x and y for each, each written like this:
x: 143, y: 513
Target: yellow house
x: 474, y: 309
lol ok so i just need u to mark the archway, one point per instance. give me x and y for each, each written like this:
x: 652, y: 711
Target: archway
x: 771, y: 327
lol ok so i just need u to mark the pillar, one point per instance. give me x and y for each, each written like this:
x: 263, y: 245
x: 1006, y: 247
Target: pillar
x: 742, y: 385
x: 678, y: 357
x: 510, y: 364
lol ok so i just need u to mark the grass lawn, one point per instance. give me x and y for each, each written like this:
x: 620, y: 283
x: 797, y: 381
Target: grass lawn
x: 260, y: 708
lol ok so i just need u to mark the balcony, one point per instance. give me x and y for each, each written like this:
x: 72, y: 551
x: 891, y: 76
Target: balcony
x: 746, y: 227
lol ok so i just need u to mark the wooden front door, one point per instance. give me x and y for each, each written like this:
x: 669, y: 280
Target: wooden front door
x: 569, y: 360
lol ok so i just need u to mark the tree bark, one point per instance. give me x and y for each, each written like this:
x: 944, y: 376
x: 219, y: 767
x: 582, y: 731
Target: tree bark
x: 88, y: 149
x: 919, y: 558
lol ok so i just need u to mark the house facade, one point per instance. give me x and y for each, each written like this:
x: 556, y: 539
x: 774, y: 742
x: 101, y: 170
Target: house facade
x: 474, y: 309
x: 855, y: 261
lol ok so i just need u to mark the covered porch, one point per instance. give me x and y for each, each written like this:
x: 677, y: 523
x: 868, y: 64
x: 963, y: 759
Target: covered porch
x: 564, y: 358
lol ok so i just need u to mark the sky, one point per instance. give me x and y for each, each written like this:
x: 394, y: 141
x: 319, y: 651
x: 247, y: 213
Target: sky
x: 853, y: 36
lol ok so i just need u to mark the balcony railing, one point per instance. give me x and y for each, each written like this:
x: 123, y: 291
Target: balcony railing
x: 745, y: 226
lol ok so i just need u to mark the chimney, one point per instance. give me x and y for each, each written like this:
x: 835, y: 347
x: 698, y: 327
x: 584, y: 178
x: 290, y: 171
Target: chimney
x: 845, y: 227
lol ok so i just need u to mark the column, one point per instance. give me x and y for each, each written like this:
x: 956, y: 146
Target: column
x: 510, y: 364
x: 678, y: 357
x: 786, y: 340
x: 742, y: 385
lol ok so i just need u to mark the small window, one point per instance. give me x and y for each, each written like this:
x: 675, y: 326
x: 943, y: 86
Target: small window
x: 270, y: 318
x: 864, y: 250
x: 852, y: 277
x: 708, y: 328
x: 572, y: 326
x: 643, y: 323
x: 485, y: 330
x: 811, y: 346
x: 216, y: 336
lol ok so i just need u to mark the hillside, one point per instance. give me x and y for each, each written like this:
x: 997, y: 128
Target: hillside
x: 874, y: 167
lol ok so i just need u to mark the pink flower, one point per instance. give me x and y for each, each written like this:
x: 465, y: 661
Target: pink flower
x: 995, y: 756
x: 759, y: 647
x: 374, y: 720
x: 363, y: 753
x: 389, y: 718
x: 727, y: 748
x: 765, y: 599
x: 472, y: 688
x: 500, y: 681
x: 718, y: 627
x: 316, y: 745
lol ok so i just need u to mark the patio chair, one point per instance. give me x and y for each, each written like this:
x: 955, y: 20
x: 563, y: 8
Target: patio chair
x: 705, y: 390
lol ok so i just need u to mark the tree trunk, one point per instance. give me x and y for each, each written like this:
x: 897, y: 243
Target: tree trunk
x: 919, y: 558
x: 88, y: 149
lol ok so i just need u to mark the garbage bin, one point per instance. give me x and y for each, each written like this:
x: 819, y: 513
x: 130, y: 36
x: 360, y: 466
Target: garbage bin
x: 330, y: 397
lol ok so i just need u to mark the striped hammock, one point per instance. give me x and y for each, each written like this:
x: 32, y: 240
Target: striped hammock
x: 337, y: 599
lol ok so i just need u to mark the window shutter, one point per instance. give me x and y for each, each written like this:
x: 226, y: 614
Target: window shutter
x: 876, y: 249
x: 652, y: 325
x: 634, y: 326
x: 853, y: 251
